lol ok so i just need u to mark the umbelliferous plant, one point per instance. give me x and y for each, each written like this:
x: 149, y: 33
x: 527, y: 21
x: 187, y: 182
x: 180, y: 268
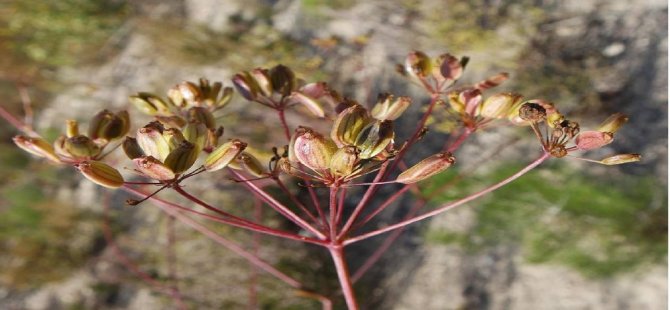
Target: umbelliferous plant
x: 185, y: 141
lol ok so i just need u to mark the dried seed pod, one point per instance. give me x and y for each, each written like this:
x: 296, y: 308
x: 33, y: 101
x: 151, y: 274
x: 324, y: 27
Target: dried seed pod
x: 251, y: 164
x: 499, y: 105
x: 36, y: 146
x: 613, y: 123
x: 389, y: 107
x: 150, y: 104
x: 344, y: 160
x: 153, y: 168
x: 224, y: 154
x: 151, y: 140
x: 532, y: 112
x: 374, y: 138
x: 182, y: 157
x: 131, y: 148
x: 312, y: 149
x: 101, y: 174
x: 450, y: 67
x: 427, y: 168
x: 283, y: 80
x: 201, y: 115
x: 348, y: 125
x: 108, y: 126
x: 621, y: 159
x: 589, y: 140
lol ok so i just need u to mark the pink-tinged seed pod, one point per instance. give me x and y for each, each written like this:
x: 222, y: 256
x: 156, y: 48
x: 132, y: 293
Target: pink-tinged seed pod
x: 224, y: 154
x: 348, y: 125
x: 492, y: 81
x: 246, y: 86
x: 390, y: 108
x: 427, y: 168
x: 613, y: 123
x: 262, y: 79
x: 621, y: 159
x: 312, y: 149
x: 499, y: 105
x: 471, y: 99
x: 36, y: 146
x: 151, y: 140
x: 101, y: 174
x: 310, y: 103
x: 450, y: 67
x: 153, y: 168
x: 190, y: 94
x: 589, y: 140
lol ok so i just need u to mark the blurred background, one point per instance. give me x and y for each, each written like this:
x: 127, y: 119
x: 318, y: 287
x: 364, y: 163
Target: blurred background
x: 570, y: 235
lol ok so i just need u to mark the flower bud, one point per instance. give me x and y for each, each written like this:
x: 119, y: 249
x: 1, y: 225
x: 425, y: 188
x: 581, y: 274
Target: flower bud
x: 81, y: 147
x: 532, y: 112
x: 150, y: 104
x: 182, y: 157
x: 589, y: 140
x: 245, y: 85
x: 36, y: 146
x: 131, y: 148
x: 71, y: 128
x: 101, y: 173
x: 201, y: 115
x: 621, y: 159
x: 107, y: 126
x: 390, y: 108
x: 153, y: 168
x: 348, y: 125
x: 418, y: 65
x: 224, y: 154
x: 499, y: 105
x: 426, y: 168
x: 283, y: 80
x: 344, y: 160
x: 312, y: 149
x: 374, y: 138
x: 151, y: 140
x: 613, y: 123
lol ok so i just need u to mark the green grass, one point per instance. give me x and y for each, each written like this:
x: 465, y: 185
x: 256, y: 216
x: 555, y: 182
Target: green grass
x: 597, y: 225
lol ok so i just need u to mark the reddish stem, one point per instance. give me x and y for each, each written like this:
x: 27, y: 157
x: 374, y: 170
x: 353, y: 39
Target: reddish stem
x: 284, y: 124
x: 333, y: 212
x: 337, y: 253
x: 11, y: 119
x: 297, y: 202
x: 386, y: 203
x: 451, y: 205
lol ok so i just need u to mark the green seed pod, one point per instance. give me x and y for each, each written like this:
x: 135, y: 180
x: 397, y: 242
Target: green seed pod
x: 613, y: 123
x: 312, y: 149
x: 348, y: 125
x: 251, y: 164
x: 36, y: 146
x: 283, y: 80
x: 151, y: 140
x: 107, y: 126
x: 196, y: 133
x: 101, y: 174
x: 427, y: 168
x: 224, y: 154
x: 344, y: 160
x: 201, y: 115
x: 390, y: 108
x: 182, y: 157
x: 153, y: 168
x: 498, y: 105
x: 71, y: 128
x: 150, y: 104
x: 418, y: 65
x: 374, y: 138
x: 81, y: 147
x: 173, y: 121
x: 621, y: 159
x: 131, y: 148
x: 226, y: 96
